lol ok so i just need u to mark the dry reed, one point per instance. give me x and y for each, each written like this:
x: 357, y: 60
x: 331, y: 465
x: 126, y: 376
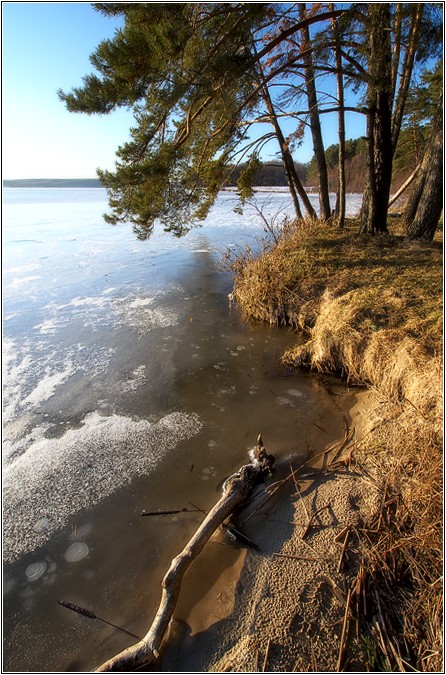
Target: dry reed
x: 371, y: 310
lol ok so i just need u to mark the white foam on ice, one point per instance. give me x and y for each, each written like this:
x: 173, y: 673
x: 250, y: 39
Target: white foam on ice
x: 54, y: 478
x: 20, y: 281
x: 33, y: 371
x: 47, y: 386
x: 142, y: 313
x: 135, y: 379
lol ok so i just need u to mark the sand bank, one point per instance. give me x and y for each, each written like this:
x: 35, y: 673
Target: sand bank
x: 282, y: 608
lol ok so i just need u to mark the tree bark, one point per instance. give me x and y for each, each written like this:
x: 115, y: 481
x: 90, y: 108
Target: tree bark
x: 236, y: 490
x: 315, y: 123
x: 340, y: 193
x: 379, y: 129
x: 406, y: 72
x: 424, y: 206
x: 294, y: 182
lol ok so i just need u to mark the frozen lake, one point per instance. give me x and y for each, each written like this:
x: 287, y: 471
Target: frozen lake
x: 129, y: 384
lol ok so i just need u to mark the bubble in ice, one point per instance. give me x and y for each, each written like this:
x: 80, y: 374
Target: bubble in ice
x: 41, y: 525
x: 208, y: 472
x: 77, y: 551
x: 296, y: 393
x: 283, y: 400
x: 35, y: 571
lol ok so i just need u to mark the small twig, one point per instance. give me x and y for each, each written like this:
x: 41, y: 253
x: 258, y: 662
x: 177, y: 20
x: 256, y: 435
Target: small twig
x: 297, y: 666
x: 298, y: 557
x: 382, y: 642
x: 341, y: 534
x: 358, y: 591
x: 344, y: 546
x: 91, y: 615
x: 168, y: 513
x: 348, y: 438
x: 299, y: 492
x: 383, y: 501
x: 198, y: 508
x: 417, y: 409
x: 396, y: 655
x: 265, y: 661
x: 344, y: 632
x: 310, y: 522
x: 321, y: 428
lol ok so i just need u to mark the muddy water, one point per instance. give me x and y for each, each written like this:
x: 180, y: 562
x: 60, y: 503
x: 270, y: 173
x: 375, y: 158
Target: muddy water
x: 130, y: 384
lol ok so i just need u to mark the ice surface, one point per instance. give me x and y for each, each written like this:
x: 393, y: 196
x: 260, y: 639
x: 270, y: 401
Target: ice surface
x: 56, y: 477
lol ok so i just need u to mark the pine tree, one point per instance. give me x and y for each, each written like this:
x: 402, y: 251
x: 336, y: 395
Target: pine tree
x: 188, y: 73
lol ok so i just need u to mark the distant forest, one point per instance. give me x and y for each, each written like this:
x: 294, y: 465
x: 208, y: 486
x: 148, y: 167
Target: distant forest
x: 270, y: 173
x: 53, y: 182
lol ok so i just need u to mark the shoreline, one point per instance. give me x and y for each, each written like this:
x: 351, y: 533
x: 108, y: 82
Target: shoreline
x: 349, y: 572
x: 257, y: 598
x: 370, y: 309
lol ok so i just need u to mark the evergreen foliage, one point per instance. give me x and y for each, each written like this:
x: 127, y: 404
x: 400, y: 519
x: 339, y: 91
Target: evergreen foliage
x: 198, y: 76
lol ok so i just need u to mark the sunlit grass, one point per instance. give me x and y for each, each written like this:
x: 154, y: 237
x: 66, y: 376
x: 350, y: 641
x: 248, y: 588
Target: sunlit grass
x: 370, y: 308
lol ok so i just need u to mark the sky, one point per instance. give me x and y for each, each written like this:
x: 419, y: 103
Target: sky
x: 46, y: 47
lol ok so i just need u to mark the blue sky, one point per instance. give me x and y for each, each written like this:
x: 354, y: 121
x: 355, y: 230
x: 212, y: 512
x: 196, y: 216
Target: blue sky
x: 46, y: 46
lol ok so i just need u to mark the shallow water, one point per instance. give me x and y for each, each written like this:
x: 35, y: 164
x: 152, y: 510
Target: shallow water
x: 130, y: 383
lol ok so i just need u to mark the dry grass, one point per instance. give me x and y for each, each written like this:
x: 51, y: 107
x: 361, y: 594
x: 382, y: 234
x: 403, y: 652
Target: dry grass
x: 371, y: 310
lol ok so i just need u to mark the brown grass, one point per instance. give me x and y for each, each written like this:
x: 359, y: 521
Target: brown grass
x: 371, y: 310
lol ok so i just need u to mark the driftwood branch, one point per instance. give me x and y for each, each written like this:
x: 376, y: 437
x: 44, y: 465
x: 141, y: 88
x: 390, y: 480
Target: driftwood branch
x: 236, y: 490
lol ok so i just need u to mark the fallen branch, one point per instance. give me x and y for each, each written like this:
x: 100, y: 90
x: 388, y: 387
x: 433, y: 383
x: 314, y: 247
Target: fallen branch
x: 236, y: 490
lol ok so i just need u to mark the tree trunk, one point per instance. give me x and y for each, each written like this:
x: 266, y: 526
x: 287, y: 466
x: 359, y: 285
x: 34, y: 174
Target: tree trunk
x: 423, y: 209
x: 236, y: 490
x: 406, y: 72
x: 379, y: 129
x: 340, y: 193
x: 396, y: 44
x: 315, y: 123
x: 293, y: 180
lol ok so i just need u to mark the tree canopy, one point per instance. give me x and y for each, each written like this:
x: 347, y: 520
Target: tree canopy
x: 199, y: 76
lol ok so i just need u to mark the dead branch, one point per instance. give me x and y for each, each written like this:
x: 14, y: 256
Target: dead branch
x: 236, y: 490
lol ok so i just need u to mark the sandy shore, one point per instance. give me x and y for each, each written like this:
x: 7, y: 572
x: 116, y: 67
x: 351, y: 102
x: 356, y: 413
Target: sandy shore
x: 282, y: 608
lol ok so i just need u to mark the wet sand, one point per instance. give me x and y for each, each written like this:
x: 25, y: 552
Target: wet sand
x: 287, y: 601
